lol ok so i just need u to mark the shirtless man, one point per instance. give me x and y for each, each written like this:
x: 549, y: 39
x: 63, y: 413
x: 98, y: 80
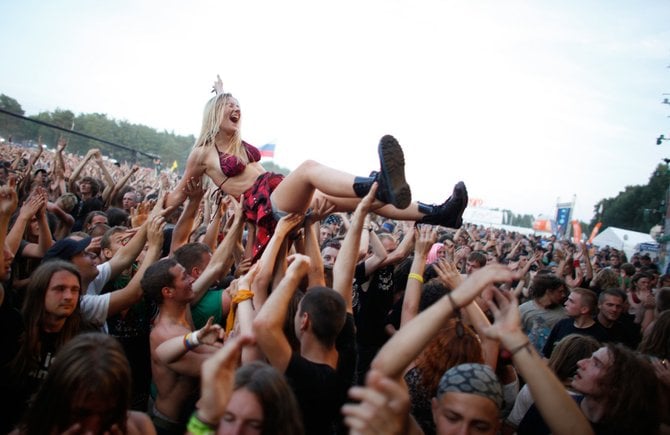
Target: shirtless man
x: 177, y: 383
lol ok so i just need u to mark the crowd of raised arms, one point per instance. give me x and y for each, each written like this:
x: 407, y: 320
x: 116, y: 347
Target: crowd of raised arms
x: 234, y: 300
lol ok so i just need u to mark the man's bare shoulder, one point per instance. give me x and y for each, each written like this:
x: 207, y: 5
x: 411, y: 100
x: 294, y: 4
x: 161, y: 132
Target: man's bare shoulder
x: 164, y: 330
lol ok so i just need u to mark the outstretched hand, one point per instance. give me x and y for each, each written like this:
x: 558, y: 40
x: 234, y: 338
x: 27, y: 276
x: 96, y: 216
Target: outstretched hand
x: 425, y: 238
x: 288, y: 222
x: 448, y: 273
x: 8, y: 197
x: 480, y: 280
x: 217, y: 88
x: 383, y: 406
x: 211, y: 334
x: 218, y: 379
x: 505, y: 310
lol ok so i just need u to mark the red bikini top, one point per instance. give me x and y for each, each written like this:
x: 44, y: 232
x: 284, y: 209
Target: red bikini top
x: 231, y: 165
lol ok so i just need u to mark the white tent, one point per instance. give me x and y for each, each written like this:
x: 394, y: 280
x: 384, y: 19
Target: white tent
x: 621, y: 239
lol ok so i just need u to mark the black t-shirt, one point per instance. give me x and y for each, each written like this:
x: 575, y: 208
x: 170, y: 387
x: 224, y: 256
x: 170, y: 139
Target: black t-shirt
x: 566, y: 327
x: 625, y: 331
x: 321, y: 390
x: 84, y: 208
x: 373, y: 304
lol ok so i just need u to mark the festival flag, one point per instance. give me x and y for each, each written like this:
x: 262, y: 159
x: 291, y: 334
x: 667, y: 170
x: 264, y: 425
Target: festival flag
x: 267, y: 150
x: 174, y: 166
x: 594, y: 233
x: 576, y: 231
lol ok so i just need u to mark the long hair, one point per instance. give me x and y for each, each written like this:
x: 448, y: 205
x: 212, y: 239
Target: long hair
x: 568, y: 351
x: 211, y: 122
x: 445, y: 351
x: 33, y: 313
x: 91, y: 365
x: 657, y: 342
x: 281, y: 413
x: 630, y: 392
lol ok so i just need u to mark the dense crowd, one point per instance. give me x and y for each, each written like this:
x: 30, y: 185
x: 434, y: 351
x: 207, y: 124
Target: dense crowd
x: 240, y: 301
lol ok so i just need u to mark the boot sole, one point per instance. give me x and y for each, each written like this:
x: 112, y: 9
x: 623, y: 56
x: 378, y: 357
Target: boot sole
x: 392, y: 159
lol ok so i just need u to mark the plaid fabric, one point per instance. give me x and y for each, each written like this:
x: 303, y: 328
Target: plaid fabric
x: 257, y: 208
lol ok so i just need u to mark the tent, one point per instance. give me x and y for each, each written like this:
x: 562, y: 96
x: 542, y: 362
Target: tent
x: 621, y: 239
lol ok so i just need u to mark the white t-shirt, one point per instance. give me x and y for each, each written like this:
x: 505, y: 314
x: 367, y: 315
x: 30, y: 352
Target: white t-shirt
x: 94, y: 309
x: 104, y: 273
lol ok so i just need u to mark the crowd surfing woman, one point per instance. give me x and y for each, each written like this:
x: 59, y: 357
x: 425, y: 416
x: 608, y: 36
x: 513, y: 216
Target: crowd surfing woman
x: 233, y: 165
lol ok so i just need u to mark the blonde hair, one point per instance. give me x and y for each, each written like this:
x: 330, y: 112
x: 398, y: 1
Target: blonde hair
x: 211, y: 122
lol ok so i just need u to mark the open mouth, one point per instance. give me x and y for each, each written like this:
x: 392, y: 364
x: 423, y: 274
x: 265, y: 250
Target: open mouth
x: 235, y: 117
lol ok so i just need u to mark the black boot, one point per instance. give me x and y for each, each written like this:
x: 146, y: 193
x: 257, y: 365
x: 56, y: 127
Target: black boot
x: 449, y: 213
x: 392, y: 189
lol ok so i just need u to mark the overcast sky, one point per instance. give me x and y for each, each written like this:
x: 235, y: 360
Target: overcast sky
x: 526, y: 101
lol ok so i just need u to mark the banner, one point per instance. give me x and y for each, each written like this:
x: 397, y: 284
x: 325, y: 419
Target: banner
x: 563, y: 212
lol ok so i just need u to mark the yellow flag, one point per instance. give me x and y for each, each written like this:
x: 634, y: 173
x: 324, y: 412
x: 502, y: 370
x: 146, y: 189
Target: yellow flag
x: 174, y: 166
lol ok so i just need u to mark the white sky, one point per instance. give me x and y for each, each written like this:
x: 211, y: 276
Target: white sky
x: 526, y: 101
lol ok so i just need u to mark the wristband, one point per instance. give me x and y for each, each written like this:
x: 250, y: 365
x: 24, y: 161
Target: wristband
x: 198, y: 427
x: 191, y: 340
x: 416, y: 276
x: 460, y: 330
x: 519, y: 348
x: 241, y: 296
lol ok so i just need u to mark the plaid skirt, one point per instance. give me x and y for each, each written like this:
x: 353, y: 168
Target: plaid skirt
x: 257, y: 208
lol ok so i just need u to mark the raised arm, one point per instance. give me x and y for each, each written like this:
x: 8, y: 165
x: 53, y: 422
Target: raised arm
x: 195, y: 168
x: 122, y: 299
x: 270, y: 256
x: 184, y: 226
x: 80, y: 167
x: 425, y: 237
x: 8, y: 203
x: 217, y: 382
x: 221, y: 260
x: 109, y: 181
x: 558, y: 409
x: 402, y: 251
x: 345, y: 265
x: 116, y: 187
x: 29, y: 209
x: 269, y: 322
x: 406, y: 344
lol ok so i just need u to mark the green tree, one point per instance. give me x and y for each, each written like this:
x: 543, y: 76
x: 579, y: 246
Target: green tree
x: 637, y: 208
x: 9, y: 125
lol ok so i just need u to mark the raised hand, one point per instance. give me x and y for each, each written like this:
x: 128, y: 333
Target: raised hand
x: 193, y: 188
x: 505, y: 310
x: 448, y: 273
x: 383, y: 407
x: 218, y: 86
x: 426, y: 236
x: 288, y: 222
x: 62, y: 143
x: 321, y: 208
x: 212, y: 333
x: 155, y: 231
x: 8, y: 197
x: 218, y: 378
x: 480, y: 280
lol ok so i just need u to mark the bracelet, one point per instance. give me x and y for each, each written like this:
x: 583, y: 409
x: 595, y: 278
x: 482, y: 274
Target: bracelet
x: 198, y: 427
x: 516, y: 350
x: 416, y: 276
x: 191, y: 341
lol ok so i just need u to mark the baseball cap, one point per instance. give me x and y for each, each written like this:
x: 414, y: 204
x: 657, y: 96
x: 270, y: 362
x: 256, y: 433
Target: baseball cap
x: 65, y: 249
